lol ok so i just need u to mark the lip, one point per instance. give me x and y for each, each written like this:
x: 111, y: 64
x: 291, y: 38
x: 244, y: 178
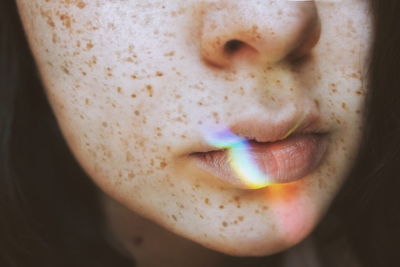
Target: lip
x: 281, y: 161
x: 282, y: 150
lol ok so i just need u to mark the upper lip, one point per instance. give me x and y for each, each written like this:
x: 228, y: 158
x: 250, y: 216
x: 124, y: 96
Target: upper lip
x: 265, y: 130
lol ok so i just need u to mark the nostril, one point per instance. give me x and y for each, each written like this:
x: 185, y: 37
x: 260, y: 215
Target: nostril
x: 232, y: 46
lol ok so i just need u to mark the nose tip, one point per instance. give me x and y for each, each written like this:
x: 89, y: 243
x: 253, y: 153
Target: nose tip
x: 257, y: 31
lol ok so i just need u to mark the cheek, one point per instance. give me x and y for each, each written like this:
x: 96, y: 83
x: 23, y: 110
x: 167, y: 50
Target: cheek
x: 106, y: 99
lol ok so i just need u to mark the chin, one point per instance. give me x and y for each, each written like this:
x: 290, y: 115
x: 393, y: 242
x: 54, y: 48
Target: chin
x: 253, y: 248
x: 252, y: 244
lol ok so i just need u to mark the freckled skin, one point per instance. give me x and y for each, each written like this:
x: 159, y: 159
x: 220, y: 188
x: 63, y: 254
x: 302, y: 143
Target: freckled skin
x: 134, y: 84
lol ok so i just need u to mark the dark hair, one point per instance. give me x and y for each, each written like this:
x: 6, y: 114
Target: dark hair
x: 41, y: 225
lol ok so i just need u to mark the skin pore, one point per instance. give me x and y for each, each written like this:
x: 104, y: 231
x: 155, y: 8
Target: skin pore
x: 135, y: 84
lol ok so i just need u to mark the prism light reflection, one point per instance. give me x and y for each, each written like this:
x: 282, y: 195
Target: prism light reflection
x: 240, y: 158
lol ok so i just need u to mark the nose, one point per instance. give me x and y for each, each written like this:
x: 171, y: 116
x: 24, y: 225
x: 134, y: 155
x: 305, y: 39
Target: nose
x: 266, y: 31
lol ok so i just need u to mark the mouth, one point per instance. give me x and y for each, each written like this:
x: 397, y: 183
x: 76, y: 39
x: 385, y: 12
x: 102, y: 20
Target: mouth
x: 282, y: 161
x: 295, y: 155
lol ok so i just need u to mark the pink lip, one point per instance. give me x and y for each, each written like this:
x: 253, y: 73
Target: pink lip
x: 286, y: 149
x: 262, y: 130
x: 284, y: 161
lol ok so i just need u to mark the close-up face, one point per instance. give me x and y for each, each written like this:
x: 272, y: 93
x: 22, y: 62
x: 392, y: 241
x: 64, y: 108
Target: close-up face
x: 230, y: 123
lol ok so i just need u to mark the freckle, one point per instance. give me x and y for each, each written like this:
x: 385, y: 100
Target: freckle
x: 105, y: 125
x: 129, y: 157
x: 316, y: 103
x: 134, y: 77
x: 252, y: 75
x: 81, y: 4
x: 333, y: 87
x: 159, y: 74
x: 241, y: 218
x: 174, y: 217
x: 65, y: 70
x: 163, y: 164
x: 133, y: 95
x: 87, y: 101
x: 169, y: 54
x: 237, y: 199
x: 55, y: 38
x: 47, y: 16
x: 265, y: 207
x: 109, y: 72
x: 216, y: 116
x: 241, y: 91
x: 131, y: 175
x: 92, y: 61
x: 225, y: 224
x: 355, y: 75
x: 207, y: 201
x: 221, y: 207
x: 66, y: 20
x: 149, y: 89
x: 89, y: 45
x: 119, y: 90
x: 137, y: 112
x: 344, y: 106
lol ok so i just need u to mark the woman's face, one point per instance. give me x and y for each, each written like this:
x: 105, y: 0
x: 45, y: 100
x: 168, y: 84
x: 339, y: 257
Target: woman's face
x: 138, y: 88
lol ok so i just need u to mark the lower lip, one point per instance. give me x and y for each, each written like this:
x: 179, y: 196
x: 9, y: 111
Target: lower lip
x: 284, y: 161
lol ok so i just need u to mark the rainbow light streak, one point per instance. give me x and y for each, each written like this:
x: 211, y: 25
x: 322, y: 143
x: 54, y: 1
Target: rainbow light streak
x: 240, y: 159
